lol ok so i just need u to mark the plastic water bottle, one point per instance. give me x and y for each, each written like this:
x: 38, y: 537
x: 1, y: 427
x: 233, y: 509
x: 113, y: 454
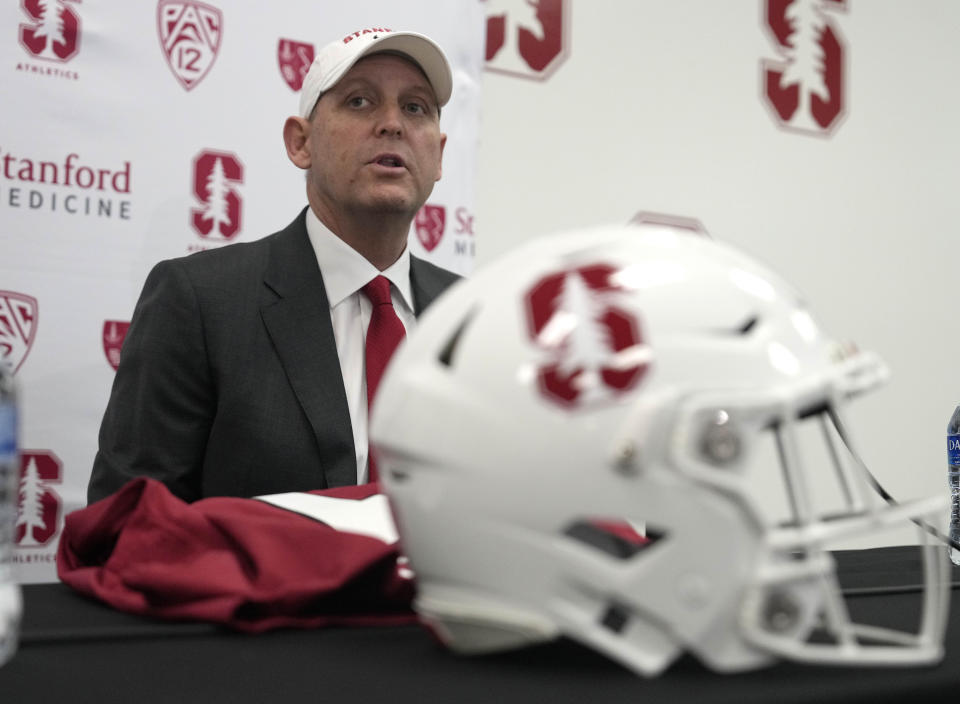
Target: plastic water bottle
x: 953, y: 476
x: 10, y: 599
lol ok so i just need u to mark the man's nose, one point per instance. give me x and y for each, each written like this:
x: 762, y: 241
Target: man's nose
x: 390, y: 121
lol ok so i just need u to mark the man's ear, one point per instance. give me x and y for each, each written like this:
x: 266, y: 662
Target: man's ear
x: 295, y: 133
x: 443, y: 143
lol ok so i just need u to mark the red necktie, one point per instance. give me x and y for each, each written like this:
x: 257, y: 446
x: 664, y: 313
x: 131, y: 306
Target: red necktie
x: 383, y: 335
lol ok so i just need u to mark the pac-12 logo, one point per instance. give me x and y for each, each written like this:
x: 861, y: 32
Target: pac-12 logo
x: 294, y: 59
x: 526, y: 38
x: 38, y: 506
x: 190, y: 34
x: 54, y: 29
x: 216, y: 176
x: 592, y: 345
x: 804, y: 86
x: 430, y: 224
x: 18, y: 326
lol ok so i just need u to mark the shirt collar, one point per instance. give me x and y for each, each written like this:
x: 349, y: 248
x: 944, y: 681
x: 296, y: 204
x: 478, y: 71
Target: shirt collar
x: 345, y: 271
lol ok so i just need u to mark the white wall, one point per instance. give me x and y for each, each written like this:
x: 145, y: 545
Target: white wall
x: 658, y: 107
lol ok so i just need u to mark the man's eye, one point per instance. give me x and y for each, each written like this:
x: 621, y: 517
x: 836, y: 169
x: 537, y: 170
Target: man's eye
x: 357, y: 101
x: 416, y: 108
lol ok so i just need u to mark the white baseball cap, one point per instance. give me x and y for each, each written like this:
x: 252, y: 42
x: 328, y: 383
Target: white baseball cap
x: 338, y: 57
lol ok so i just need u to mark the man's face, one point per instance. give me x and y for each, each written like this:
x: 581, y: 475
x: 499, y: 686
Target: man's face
x: 375, y: 142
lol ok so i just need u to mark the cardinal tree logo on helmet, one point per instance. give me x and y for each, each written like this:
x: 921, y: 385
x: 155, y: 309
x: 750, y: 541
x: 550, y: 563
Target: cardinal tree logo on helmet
x: 38, y: 506
x: 18, y: 326
x: 54, y: 30
x: 216, y: 176
x: 804, y: 87
x: 190, y: 35
x: 294, y: 59
x: 592, y: 343
x: 430, y: 224
x: 526, y: 38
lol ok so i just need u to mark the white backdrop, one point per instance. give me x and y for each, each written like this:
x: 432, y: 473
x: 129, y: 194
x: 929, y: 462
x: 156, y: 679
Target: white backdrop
x: 660, y: 106
x: 89, y: 89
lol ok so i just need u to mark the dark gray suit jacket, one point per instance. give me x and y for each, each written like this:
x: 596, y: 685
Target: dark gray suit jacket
x: 229, y: 382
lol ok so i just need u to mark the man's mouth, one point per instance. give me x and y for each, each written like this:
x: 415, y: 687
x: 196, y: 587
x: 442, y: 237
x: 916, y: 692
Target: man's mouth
x: 391, y: 160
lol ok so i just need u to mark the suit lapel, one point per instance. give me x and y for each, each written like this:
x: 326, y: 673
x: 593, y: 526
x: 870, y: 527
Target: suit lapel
x: 297, y: 317
x: 427, y: 282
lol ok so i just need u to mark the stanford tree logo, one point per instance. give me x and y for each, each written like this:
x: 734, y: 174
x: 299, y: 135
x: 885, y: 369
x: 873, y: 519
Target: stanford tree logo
x: 54, y: 29
x: 591, y: 340
x: 804, y: 86
x: 39, y: 506
x: 526, y: 38
x: 18, y: 326
x: 190, y: 35
x: 216, y: 176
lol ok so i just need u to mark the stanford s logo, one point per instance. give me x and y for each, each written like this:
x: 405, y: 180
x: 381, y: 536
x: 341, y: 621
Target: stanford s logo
x: 54, y: 30
x: 38, y: 506
x: 190, y: 38
x: 216, y: 176
x: 804, y: 87
x: 591, y: 342
x: 526, y: 38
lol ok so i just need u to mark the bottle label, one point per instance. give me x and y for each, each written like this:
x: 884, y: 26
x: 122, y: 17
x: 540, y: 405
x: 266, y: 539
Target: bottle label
x: 8, y: 430
x: 953, y: 449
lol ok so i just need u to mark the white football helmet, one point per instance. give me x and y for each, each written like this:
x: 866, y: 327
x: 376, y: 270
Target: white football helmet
x: 592, y: 385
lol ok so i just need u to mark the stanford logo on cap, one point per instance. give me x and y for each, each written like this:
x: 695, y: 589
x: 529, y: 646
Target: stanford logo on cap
x: 430, y: 224
x: 373, y: 31
x: 804, y: 87
x: 526, y: 38
x: 216, y: 176
x: 39, y: 506
x: 54, y: 29
x: 592, y: 344
x: 190, y: 38
x: 114, y: 332
x: 18, y: 326
x: 294, y: 59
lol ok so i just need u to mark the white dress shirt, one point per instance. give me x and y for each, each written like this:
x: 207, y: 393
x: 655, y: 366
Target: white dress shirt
x: 345, y: 272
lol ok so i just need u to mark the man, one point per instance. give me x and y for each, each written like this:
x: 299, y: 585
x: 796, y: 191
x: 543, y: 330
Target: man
x: 243, y: 371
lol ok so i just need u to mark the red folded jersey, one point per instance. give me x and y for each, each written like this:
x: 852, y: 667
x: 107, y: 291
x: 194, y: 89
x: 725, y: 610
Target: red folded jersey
x: 300, y: 559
